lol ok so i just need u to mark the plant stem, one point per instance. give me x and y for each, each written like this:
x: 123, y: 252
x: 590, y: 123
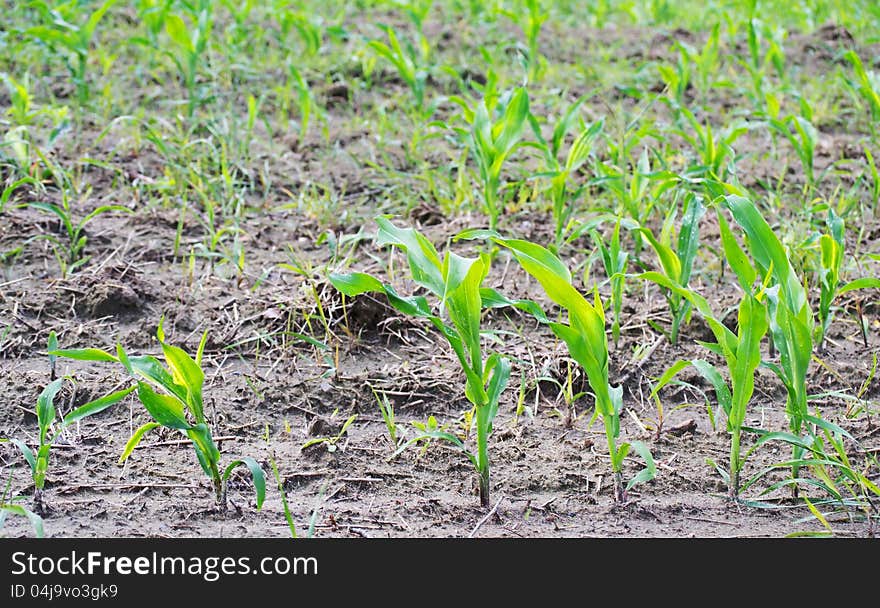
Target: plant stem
x: 38, y: 501
x: 619, y: 492
x: 733, y: 481
x: 219, y: 488
x: 483, y: 452
x: 491, y: 210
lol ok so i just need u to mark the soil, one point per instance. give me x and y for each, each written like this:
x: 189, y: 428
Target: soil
x: 268, y: 391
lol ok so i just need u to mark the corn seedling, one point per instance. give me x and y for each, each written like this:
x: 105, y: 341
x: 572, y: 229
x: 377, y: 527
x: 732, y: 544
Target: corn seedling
x: 455, y: 282
x: 49, y: 431
x: 677, y: 263
x: 866, y: 87
x: 494, y: 129
x: 331, y: 442
x: 176, y: 405
x: 741, y: 350
x: 152, y: 14
x: 558, y: 173
x: 395, y: 433
x: 305, y: 99
x: 791, y: 319
x: 705, y: 62
x: 677, y: 77
x: 759, y: 62
x: 584, y: 335
x: 69, y: 246
x: 410, y: 65
x: 73, y: 36
x: 716, y: 151
x: 832, y: 468
x: 7, y: 193
x: 190, y: 43
x: 529, y: 19
x: 803, y: 137
x: 831, y: 253
x: 20, y: 100
x: 9, y: 506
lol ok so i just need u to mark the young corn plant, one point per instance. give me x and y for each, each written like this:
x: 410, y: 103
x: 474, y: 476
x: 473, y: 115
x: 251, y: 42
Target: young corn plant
x: 716, y: 151
x: 790, y: 316
x: 831, y: 284
x: 677, y: 77
x: 759, y: 61
x: 677, y: 263
x: 866, y: 86
x: 70, y: 244
x: 411, y: 65
x: 558, y: 172
x: 455, y: 282
x: 803, y: 137
x: 494, y: 130
x: 9, y: 506
x: 190, y: 42
x: 584, y: 335
x: 49, y: 431
x: 20, y: 100
x: 529, y: 18
x: 741, y: 351
x: 705, y: 62
x: 171, y: 392
x: 66, y: 29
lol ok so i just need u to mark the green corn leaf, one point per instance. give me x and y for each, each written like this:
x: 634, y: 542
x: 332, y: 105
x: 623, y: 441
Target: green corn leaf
x: 668, y: 258
x: 829, y: 426
x: 582, y: 146
x: 464, y: 302
x: 94, y: 407
x: 736, y: 257
x: 51, y: 346
x: 711, y: 373
x: 85, y: 354
x: 35, y: 520
x: 511, y: 124
x: 46, y: 407
x: 92, y: 22
x: 177, y: 31
x: 668, y: 375
x: 769, y: 253
x: 26, y: 452
x: 186, y: 373
x: 257, y: 474
x: 494, y: 299
x: 725, y: 338
x: 563, y: 126
x: 499, y: 369
x: 206, y: 450
x: 136, y: 438
x: 689, y: 236
x: 863, y: 283
x: 166, y: 410
x: 152, y: 369
x: 100, y: 210
x: 423, y: 259
x: 357, y: 283
x: 123, y: 358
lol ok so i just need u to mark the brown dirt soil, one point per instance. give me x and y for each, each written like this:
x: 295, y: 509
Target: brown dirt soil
x: 268, y: 392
